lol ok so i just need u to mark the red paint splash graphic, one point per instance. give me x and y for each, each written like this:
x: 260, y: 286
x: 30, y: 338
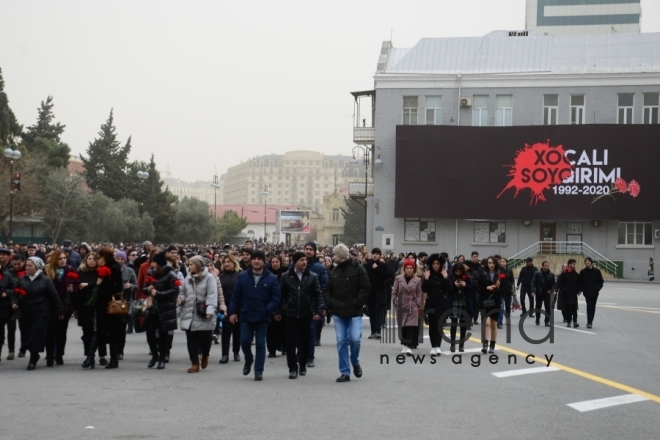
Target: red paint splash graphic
x: 537, y: 168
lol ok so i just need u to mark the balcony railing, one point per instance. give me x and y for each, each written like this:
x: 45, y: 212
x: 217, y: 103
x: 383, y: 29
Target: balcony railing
x: 364, y: 135
x: 356, y: 189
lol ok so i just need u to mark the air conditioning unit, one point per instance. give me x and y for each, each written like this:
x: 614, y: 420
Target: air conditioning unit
x: 657, y: 234
x: 466, y: 102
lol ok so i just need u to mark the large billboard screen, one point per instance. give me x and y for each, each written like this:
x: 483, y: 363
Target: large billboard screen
x: 294, y: 222
x: 560, y: 172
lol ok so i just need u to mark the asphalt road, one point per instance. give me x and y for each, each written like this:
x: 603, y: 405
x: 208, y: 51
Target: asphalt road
x: 609, y: 375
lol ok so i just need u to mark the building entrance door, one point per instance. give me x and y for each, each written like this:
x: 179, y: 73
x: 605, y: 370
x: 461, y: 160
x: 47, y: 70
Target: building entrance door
x: 548, y: 234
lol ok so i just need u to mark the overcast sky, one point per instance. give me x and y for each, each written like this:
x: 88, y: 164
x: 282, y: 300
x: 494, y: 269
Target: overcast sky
x: 204, y: 83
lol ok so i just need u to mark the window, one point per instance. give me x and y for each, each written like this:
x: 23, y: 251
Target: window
x: 577, y: 109
x: 261, y: 163
x: 271, y: 163
x: 335, y: 239
x: 416, y: 229
x: 480, y: 111
x: 410, y: 110
x: 433, y: 110
x: 490, y: 232
x: 636, y: 233
x: 625, y: 115
x: 326, y: 164
x: 335, y: 215
x: 651, y: 105
x: 550, y: 109
x: 504, y: 110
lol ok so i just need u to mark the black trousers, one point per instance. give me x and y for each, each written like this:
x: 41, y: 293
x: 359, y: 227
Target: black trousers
x: 275, y: 336
x: 297, y: 329
x: 411, y: 335
x: 526, y: 291
x: 56, y: 339
x: 199, y: 341
x: 11, y: 331
x: 591, y: 307
x: 435, y: 330
x: 319, y: 326
x: 544, y: 300
x: 159, y: 345
x: 452, y: 331
x: 376, y: 313
x: 229, y: 329
x: 571, y: 312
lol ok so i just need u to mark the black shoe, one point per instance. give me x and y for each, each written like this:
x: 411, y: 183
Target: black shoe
x: 292, y: 375
x: 237, y: 357
x: 59, y: 361
x: 33, y: 363
x: 114, y: 363
x: 547, y: 324
x: 588, y: 325
x: 499, y: 326
x: 344, y: 378
x: 317, y: 343
x: 161, y: 365
x: 310, y: 364
x: 357, y: 370
x: 461, y: 349
x: 575, y: 325
x: 258, y: 377
x: 152, y: 362
x: 120, y: 357
x: 452, y: 348
x: 484, y: 349
x: 167, y: 359
x: 103, y: 362
x: 21, y: 354
x: 246, y: 369
x: 88, y: 362
x: 224, y: 359
x: 569, y: 324
x: 538, y: 323
x: 531, y: 315
x: 272, y: 355
x: 128, y: 331
x: 302, y: 372
x: 50, y: 362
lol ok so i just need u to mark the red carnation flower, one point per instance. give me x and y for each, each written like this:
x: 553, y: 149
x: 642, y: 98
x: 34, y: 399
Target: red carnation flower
x: 177, y: 283
x: 502, y: 276
x: 621, y: 185
x: 72, y: 276
x: 464, y: 277
x: 151, y: 280
x: 21, y: 292
x: 21, y: 273
x: 1, y: 277
x: 634, y: 188
x: 104, y: 271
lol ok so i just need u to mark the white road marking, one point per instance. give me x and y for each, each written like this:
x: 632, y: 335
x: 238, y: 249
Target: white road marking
x: 590, y: 405
x: 575, y: 330
x: 641, y: 308
x: 525, y: 371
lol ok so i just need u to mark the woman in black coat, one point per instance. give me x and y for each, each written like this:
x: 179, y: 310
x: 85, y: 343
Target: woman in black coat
x: 162, y: 317
x: 65, y: 280
x: 37, y: 302
x: 462, y: 290
x: 436, y: 285
x: 228, y: 275
x: 275, y: 333
x: 86, y: 311
x: 109, y: 285
x: 489, y: 289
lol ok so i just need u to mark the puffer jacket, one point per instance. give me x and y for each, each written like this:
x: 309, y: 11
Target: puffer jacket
x: 437, y: 288
x: 228, y: 282
x: 255, y: 302
x: 41, y: 299
x: 301, y: 298
x: 201, y: 289
x: 347, y: 289
x: 167, y: 291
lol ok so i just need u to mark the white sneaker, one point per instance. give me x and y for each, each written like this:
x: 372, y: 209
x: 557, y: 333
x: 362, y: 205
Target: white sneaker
x: 433, y: 350
x: 408, y: 351
x: 405, y: 350
x: 438, y: 351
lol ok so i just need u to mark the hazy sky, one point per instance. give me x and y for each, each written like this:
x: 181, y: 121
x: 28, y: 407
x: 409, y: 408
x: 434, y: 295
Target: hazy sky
x: 204, y: 83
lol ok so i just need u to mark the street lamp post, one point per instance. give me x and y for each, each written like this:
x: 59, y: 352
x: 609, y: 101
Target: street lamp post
x: 265, y: 193
x: 142, y: 175
x: 215, y: 186
x: 12, y: 155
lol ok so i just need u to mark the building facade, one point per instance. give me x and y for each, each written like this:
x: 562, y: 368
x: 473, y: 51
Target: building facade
x: 199, y: 189
x: 505, y: 81
x: 296, y: 178
x: 580, y: 17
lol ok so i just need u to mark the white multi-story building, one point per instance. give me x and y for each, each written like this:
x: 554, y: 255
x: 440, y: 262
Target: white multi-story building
x: 573, y: 17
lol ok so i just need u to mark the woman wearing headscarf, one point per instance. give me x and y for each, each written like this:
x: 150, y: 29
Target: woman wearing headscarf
x: 110, y: 329
x: 129, y: 281
x: 198, y: 301
x: 37, y: 301
x: 436, y: 285
x: 409, y: 288
x: 228, y: 275
x: 87, y: 312
x: 65, y: 279
x: 164, y: 289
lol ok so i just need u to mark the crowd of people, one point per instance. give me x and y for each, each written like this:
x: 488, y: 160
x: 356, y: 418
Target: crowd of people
x: 275, y: 297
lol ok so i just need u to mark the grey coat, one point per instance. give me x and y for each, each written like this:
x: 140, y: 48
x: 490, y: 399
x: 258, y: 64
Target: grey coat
x: 202, y: 290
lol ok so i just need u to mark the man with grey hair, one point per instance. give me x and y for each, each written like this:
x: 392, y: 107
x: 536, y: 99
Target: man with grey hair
x: 346, y: 292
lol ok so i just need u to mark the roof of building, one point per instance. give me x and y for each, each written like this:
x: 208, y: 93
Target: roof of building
x: 253, y: 213
x: 498, y: 53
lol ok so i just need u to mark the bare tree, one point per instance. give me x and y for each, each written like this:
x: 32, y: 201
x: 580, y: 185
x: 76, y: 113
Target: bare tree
x: 66, y: 204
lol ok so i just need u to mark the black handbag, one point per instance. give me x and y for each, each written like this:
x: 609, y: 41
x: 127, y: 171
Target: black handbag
x: 488, y: 303
x: 200, y: 308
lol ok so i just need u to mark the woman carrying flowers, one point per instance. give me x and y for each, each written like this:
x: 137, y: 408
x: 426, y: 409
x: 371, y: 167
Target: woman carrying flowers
x: 490, y: 297
x: 109, y: 329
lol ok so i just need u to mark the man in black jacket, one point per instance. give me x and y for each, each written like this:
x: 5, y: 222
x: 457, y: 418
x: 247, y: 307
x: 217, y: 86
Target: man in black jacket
x: 378, y: 273
x: 568, y: 283
x: 301, y: 303
x: 346, y: 292
x: 543, y: 284
x: 476, y: 270
x: 591, y: 280
x: 525, y: 280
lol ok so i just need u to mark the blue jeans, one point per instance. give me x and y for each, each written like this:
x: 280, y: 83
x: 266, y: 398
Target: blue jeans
x: 257, y: 331
x: 349, y: 332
